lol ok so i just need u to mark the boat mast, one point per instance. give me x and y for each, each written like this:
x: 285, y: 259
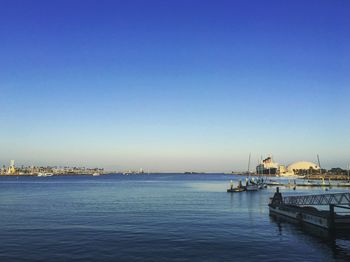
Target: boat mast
x: 319, y: 164
x: 249, y: 165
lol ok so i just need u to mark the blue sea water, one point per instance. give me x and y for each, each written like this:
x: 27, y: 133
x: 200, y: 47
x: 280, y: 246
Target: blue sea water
x: 157, y: 217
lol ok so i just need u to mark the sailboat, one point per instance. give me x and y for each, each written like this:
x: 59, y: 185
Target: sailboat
x: 251, y: 187
x: 250, y: 183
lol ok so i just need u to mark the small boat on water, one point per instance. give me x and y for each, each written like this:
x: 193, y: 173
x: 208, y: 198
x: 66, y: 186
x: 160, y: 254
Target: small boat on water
x: 262, y: 186
x: 252, y: 187
x: 95, y: 174
x: 250, y: 183
x: 259, y: 182
x: 274, y: 183
x: 44, y: 174
x: 237, y: 189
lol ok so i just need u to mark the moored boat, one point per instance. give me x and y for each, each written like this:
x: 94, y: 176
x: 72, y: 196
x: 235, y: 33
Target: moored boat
x: 237, y: 189
x: 252, y: 187
x: 44, y: 174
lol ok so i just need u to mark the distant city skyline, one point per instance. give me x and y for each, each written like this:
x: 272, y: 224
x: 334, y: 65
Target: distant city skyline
x: 174, y: 85
x: 253, y: 163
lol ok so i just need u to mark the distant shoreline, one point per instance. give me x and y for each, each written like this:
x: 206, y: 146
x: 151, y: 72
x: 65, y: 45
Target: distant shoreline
x: 327, y: 176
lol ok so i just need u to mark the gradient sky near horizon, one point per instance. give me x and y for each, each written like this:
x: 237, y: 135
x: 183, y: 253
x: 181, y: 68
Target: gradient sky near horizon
x: 174, y: 85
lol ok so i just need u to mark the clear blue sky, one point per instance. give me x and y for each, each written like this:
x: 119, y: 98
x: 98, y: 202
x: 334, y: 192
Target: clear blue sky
x: 174, y: 85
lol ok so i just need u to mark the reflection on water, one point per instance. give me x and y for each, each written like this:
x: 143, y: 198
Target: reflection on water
x: 338, y: 244
x: 149, y: 218
x: 219, y: 187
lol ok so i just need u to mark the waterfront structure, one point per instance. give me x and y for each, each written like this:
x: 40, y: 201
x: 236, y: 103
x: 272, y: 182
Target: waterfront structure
x: 282, y: 169
x: 302, y: 209
x: 46, y: 170
x: 302, y: 167
x: 267, y: 167
x: 298, y: 169
x: 3, y: 170
x: 11, y: 170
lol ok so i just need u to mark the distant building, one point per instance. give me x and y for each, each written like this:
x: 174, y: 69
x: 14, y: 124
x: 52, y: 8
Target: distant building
x: 282, y: 169
x: 302, y: 167
x: 267, y: 166
x: 3, y: 170
x: 11, y: 169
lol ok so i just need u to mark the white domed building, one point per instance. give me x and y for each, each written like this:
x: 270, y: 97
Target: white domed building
x: 299, y: 169
x: 302, y: 165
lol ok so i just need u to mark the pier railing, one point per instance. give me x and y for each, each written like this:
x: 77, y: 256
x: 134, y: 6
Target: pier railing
x: 324, y: 199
